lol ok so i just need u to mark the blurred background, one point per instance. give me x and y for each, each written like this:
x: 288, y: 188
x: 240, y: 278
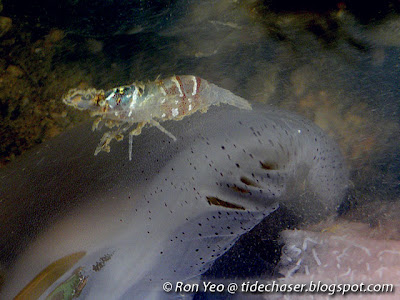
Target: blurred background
x: 334, y: 62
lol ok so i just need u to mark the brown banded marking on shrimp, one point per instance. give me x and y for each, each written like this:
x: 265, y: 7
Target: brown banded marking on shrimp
x: 181, y: 97
x: 148, y: 104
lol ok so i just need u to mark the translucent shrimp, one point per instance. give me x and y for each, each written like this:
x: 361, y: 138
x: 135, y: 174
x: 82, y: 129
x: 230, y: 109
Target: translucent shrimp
x: 149, y: 104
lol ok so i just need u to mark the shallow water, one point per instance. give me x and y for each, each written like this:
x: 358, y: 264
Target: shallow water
x: 339, y: 71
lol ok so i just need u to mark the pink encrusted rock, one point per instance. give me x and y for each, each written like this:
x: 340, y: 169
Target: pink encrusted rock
x: 346, y: 257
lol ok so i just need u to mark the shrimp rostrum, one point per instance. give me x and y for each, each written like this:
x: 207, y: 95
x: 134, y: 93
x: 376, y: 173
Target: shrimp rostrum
x: 148, y: 104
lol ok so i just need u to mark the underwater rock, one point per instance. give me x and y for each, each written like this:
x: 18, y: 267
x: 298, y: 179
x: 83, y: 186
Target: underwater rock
x: 15, y: 71
x: 5, y: 25
x: 171, y: 211
x: 343, y: 257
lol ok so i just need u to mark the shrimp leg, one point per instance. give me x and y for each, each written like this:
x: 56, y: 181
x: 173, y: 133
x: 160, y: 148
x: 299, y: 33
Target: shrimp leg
x: 158, y: 125
x: 104, y: 144
x: 136, y: 131
x: 105, y: 141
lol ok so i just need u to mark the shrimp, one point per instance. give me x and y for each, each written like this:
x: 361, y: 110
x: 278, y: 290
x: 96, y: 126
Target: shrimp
x: 149, y: 104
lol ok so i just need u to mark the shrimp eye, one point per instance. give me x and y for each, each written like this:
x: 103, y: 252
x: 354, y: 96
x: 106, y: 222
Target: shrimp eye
x: 121, y: 91
x: 140, y: 90
x: 99, y: 100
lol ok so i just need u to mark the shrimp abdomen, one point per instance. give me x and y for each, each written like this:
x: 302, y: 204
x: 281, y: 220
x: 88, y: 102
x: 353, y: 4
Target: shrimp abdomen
x: 184, y: 95
x: 209, y: 94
